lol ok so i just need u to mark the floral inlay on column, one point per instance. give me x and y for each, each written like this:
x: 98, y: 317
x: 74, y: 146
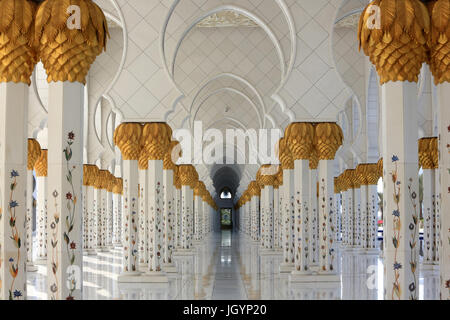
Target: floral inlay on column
x: 396, y: 289
x: 14, y: 261
x: 71, y: 202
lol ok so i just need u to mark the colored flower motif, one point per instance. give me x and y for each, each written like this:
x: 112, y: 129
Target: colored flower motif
x: 397, y: 266
x: 14, y: 174
x: 395, y: 158
x: 71, y: 135
x: 11, y: 260
x: 70, y: 298
x: 396, y: 213
x: 17, y: 294
x: 13, y: 204
x: 69, y: 196
x: 73, y: 246
x: 447, y: 284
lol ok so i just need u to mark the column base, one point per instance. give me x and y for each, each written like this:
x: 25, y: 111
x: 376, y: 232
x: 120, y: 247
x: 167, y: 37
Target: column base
x: 297, y: 277
x: 91, y: 252
x: 426, y: 266
x: 143, y: 267
x: 267, y: 252
x: 128, y: 277
x: 286, y: 267
x: 183, y: 252
x: 375, y: 251
x: 40, y: 262
x: 31, y: 267
x: 154, y: 277
x: 169, y: 268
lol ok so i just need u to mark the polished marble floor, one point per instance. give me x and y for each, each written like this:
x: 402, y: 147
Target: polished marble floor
x: 229, y: 267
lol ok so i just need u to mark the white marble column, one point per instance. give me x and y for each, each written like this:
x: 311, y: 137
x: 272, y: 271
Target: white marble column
x: 187, y: 196
x: 206, y: 216
x: 364, y: 215
x: 13, y: 161
x: 155, y: 215
x: 276, y: 217
x: 143, y: 214
x: 313, y: 216
x: 65, y: 169
x: 328, y: 138
x: 178, y: 217
x: 41, y: 207
x: 288, y: 212
x: 102, y: 218
x: 444, y: 179
x: 257, y: 220
x: 109, y: 212
x: 90, y: 211
x: 34, y: 152
x: 372, y: 236
x: 117, y: 199
x: 401, y: 220
x: 350, y: 212
x: 337, y: 210
x: 357, y: 227
x: 267, y: 217
x: 169, y: 218
x: 197, y: 215
x: 344, y: 220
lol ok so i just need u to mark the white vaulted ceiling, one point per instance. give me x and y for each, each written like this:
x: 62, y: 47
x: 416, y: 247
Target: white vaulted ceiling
x: 185, y: 60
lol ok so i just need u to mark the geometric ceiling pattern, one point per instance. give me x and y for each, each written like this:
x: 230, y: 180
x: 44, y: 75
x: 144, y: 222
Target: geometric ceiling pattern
x: 282, y: 61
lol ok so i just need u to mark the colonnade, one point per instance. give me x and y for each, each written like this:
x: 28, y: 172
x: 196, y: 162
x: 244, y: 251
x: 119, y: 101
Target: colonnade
x: 166, y: 209
x: 307, y: 208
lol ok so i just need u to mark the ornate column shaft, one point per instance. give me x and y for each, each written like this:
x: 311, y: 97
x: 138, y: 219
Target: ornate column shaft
x: 127, y: 137
x: 178, y: 215
x: 337, y: 210
x: 345, y: 222
x: 89, y: 179
x: 350, y: 213
x: 13, y: 161
x: 358, y: 228
x: 313, y: 216
x: 155, y: 140
x: 117, y: 227
x: 143, y: 212
x: 17, y: 60
x: 372, y: 177
x: 429, y: 200
x: 288, y: 236
x: 439, y: 55
x: 110, y: 211
x: 276, y: 210
x: 34, y: 152
x: 300, y: 141
x: 361, y: 178
x: 169, y: 216
x: 41, y: 207
x: 101, y: 201
x: 188, y: 177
